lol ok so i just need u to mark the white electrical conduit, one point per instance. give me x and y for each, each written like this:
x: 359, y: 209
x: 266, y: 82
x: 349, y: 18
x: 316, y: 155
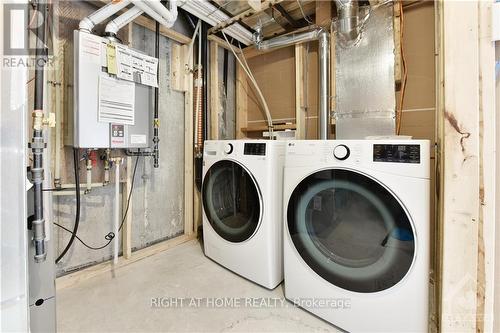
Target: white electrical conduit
x: 57, y: 87
x: 102, y: 14
x: 117, y: 210
x: 247, y: 70
x: 115, y: 25
x: 191, y: 43
x: 166, y: 19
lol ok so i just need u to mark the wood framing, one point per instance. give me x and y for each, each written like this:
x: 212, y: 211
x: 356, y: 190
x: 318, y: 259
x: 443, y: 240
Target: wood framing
x: 127, y: 226
x: 214, y: 91
x: 106, y: 267
x: 324, y: 13
x: 222, y: 43
x: 241, y: 101
x: 487, y: 166
x: 300, y: 112
x: 466, y: 161
x: 178, y: 69
x: 189, y: 223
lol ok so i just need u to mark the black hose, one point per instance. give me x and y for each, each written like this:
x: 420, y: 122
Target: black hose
x: 76, y: 162
x: 204, y: 64
x: 37, y: 144
x: 110, y: 235
x: 156, y: 122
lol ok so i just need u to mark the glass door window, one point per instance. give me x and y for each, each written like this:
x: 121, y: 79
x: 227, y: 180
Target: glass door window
x: 351, y: 230
x: 231, y: 201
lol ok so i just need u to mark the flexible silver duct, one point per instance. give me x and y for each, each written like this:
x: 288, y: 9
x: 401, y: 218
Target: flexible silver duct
x: 348, y: 19
x: 324, y: 68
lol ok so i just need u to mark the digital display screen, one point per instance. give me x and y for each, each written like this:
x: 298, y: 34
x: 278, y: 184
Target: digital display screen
x: 255, y: 149
x: 396, y: 153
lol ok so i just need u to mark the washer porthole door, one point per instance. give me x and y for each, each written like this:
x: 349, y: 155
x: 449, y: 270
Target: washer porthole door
x: 231, y: 201
x: 351, y: 230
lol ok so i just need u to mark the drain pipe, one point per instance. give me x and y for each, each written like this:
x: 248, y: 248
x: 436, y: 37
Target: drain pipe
x: 37, y: 144
x: 158, y: 12
x: 88, y: 23
x: 324, y: 68
x: 115, y: 25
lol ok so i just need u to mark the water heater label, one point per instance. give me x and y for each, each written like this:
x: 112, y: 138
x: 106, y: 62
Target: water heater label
x: 138, y: 139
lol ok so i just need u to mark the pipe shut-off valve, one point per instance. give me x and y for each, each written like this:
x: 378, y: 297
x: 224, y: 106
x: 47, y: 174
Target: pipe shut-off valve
x: 36, y: 176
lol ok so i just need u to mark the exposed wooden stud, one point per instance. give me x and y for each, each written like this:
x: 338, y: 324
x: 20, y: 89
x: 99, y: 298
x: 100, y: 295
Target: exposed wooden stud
x: 255, y: 4
x: 241, y: 102
x: 324, y: 13
x: 263, y: 128
x: 127, y: 225
x: 189, y: 223
x: 462, y: 269
x: 300, y: 112
x: 214, y: 91
x: 487, y: 181
x: 222, y: 43
x: 177, y: 71
x: 106, y: 267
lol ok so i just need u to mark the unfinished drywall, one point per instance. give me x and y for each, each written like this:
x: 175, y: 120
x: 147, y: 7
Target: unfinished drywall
x: 157, y: 199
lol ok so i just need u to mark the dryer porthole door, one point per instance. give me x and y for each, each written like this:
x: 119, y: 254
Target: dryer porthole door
x: 231, y: 201
x: 351, y: 230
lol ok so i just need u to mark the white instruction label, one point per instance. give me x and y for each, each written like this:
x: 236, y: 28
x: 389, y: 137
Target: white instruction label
x: 116, y: 101
x: 135, y: 66
x: 138, y: 139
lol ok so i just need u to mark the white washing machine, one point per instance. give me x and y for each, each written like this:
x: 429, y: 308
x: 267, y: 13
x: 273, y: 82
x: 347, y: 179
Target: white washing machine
x: 242, y: 207
x: 356, y: 238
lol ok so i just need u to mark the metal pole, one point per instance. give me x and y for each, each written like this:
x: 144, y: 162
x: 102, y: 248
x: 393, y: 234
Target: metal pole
x: 324, y: 85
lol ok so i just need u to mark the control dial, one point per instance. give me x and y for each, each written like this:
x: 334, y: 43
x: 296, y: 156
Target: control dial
x: 341, y: 152
x: 228, y: 148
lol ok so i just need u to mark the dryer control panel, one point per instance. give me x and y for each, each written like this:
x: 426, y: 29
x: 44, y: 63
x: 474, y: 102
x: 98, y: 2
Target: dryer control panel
x: 255, y: 149
x: 396, y: 153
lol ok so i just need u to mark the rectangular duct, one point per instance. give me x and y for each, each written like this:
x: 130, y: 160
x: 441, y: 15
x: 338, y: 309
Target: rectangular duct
x: 365, y: 87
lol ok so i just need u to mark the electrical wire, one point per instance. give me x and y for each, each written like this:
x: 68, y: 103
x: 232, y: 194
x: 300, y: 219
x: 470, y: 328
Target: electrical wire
x: 399, y: 116
x: 247, y: 70
x: 76, y: 164
x: 109, y: 236
x: 307, y: 18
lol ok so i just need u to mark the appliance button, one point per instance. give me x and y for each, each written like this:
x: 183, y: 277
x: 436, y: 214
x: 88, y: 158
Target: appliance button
x: 228, y: 149
x: 341, y: 152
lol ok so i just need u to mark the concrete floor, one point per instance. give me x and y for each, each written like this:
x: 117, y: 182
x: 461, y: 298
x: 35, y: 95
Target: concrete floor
x: 123, y: 303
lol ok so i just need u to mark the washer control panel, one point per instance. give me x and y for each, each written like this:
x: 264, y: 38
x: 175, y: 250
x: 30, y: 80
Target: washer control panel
x: 258, y: 149
x: 396, y: 153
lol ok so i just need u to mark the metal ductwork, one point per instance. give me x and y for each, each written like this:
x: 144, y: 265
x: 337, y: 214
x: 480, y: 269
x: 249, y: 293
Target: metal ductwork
x: 348, y: 19
x: 364, y: 70
x: 324, y: 67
